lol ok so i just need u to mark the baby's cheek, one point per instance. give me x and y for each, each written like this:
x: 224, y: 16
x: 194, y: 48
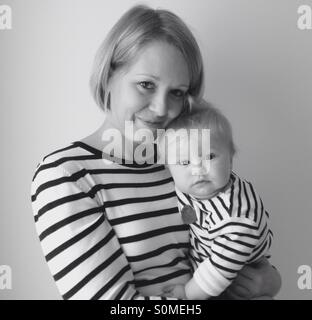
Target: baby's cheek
x: 182, y: 183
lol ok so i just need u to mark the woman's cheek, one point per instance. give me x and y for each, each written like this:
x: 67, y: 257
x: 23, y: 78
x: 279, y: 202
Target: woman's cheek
x: 172, y: 114
x: 177, y: 109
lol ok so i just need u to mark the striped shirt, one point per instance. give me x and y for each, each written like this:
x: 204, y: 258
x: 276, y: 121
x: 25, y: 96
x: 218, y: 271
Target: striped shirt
x: 231, y: 230
x: 108, y: 230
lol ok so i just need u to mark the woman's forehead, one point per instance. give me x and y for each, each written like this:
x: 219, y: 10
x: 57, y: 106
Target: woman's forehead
x: 161, y: 61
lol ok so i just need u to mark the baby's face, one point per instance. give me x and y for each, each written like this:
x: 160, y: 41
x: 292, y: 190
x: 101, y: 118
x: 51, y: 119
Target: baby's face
x: 199, y: 172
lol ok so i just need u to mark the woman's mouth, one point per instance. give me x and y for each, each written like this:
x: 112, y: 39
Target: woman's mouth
x: 153, y: 124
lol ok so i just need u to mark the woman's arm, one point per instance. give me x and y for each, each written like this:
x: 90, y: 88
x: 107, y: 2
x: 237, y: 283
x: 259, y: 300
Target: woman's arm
x: 256, y: 280
x: 79, y: 244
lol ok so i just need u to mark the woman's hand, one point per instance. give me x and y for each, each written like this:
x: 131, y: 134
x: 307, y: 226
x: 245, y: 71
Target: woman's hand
x: 255, y: 281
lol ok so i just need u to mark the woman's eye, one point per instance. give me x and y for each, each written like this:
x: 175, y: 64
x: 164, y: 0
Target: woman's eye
x: 184, y: 162
x: 147, y: 85
x: 178, y: 93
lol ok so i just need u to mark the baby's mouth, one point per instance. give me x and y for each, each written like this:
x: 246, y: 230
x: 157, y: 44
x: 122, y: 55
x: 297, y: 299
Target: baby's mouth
x: 201, y: 182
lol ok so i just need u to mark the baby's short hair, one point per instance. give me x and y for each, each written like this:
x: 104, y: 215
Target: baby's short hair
x: 204, y: 116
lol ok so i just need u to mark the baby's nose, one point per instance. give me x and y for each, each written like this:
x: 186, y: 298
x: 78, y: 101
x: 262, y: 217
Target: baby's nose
x: 202, y: 168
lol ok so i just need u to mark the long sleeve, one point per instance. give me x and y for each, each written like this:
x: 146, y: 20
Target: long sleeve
x: 79, y: 244
x: 229, y: 252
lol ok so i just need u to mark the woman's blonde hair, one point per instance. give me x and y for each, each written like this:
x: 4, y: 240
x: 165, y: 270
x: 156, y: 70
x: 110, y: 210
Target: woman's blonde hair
x: 137, y: 27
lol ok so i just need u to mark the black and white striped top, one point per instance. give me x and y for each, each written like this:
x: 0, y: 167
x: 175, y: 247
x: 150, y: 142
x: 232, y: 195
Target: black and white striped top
x: 231, y: 230
x: 108, y: 230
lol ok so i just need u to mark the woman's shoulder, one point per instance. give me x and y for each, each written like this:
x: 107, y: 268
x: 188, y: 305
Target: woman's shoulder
x: 67, y: 159
x: 72, y: 150
x: 68, y: 165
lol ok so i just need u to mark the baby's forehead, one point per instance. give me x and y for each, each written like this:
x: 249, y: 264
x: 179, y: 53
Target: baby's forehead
x: 185, y: 143
x: 192, y: 136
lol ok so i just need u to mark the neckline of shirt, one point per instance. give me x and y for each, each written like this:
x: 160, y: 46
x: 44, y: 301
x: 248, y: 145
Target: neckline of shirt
x: 120, y: 161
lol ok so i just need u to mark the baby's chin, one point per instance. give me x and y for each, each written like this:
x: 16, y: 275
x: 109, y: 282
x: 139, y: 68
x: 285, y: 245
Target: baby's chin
x: 202, y: 193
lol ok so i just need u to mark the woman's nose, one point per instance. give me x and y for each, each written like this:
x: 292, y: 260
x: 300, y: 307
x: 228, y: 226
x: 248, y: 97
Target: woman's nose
x: 159, y: 105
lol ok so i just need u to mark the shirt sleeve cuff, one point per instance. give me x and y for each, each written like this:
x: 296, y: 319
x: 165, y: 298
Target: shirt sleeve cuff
x: 209, y: 279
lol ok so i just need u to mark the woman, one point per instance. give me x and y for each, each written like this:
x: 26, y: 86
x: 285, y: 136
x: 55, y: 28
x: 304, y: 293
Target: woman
x: 111, y: 230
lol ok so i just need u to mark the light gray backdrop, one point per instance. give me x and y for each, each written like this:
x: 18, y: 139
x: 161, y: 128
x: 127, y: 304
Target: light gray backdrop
x: 258, y: 68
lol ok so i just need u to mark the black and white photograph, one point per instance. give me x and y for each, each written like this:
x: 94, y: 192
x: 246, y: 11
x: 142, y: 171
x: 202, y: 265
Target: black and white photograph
x: 156, y: 150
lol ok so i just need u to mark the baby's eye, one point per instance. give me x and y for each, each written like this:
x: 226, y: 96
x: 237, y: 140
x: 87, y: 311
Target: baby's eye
x: 210, y: 156
x: 184, y: 162
x: 147, y: 85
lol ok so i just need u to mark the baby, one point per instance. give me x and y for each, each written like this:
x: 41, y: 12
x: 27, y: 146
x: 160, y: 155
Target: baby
x: 228, y: 223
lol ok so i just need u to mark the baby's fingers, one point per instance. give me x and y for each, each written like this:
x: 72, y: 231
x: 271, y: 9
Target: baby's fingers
x: 168, y: 291
x: 168, y: 288
x: 167, y: 294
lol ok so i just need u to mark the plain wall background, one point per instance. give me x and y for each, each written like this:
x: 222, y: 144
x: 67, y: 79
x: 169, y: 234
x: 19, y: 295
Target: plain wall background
x: 258, y: 68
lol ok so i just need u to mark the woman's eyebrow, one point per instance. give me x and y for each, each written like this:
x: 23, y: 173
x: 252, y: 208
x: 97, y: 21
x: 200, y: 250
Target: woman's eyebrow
x: 158, y: 79
x: 148, y: 75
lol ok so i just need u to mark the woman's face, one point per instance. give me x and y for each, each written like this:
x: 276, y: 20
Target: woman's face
x: 150, y: 91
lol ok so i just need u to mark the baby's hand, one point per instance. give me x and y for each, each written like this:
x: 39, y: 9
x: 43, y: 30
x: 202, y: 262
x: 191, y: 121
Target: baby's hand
x: 175, y: 291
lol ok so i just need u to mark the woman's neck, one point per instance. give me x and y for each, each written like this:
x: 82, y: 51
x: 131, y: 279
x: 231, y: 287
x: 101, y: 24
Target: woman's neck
x: 111, y: 141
